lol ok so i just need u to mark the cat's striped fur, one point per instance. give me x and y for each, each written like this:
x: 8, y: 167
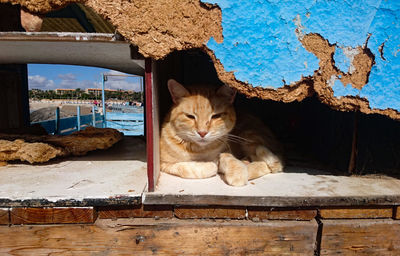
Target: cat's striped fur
x: 202, y: 135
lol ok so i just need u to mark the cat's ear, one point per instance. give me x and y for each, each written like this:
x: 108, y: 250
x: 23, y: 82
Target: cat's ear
x: 176, y: 90
x: 227, y: 92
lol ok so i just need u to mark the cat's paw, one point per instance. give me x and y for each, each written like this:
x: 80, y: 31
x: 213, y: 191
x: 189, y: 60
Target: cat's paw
x: 196, y: 170
x: 274, y: 163
x: 234, y: 171
x: 209, y: 169
x: 257, y: 169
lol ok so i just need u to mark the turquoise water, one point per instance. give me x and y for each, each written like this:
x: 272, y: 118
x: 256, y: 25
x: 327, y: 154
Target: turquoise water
x: 131, y: 124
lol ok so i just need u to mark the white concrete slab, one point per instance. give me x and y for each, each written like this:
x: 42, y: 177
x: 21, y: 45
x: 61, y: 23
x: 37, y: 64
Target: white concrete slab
x: 101, y: 177
x: 88, y: 49
x: 294, y: 188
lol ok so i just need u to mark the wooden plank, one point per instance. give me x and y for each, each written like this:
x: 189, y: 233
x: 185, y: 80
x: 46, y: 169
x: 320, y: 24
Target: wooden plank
x: 360, y: 237
x: 156, y: 237
x: 268, y: 213
x: 357, y: 213
x: 218, y: 212
x: 74, y: 215
x: 54, y: 215
x: 20, y: 216
x: 137, y: 211
x: 13, y: 98
x: 274, y: 201
x: 397, y: 212
x: 4, y: 216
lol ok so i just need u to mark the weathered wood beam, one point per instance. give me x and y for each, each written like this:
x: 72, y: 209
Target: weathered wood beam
x: 136, y: 211
x: 268, y: 213
x: 357, y: 213
x: 360, y: 237
x: 4, y: 216
x: 218, y: 212
x: 149, y: 236
x: 62, y: 215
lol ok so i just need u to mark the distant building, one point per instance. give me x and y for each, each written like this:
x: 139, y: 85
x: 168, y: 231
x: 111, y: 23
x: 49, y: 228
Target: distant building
x: 97, y: 92
x: 64, y: 91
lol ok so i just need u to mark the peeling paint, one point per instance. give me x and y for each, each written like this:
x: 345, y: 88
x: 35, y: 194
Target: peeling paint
x: 344, y: 57
x: 357, y: 29
x: 279, y: 50
x: 340, y: 90
x: 331, y: 81
x: 299, y: 28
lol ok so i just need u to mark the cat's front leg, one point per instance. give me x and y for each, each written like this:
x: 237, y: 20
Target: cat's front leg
x: 273, y: 161
x: 191, y: 170
x: 233, y: 170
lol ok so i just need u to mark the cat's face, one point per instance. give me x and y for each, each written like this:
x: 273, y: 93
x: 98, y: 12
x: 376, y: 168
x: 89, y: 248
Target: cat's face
x: 201, y: 114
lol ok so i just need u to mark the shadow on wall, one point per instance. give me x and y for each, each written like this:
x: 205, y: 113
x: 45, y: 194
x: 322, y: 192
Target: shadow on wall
x: 313, y: 134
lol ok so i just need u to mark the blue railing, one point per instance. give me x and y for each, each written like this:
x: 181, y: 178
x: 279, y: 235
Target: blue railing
x: 68, y: 125
x: 131, y: 124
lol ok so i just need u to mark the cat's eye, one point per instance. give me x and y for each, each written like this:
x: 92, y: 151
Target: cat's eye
x: 190, y: 116
x: 216, y: 116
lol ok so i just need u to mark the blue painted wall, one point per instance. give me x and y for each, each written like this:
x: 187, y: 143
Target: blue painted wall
x: 261, y: 44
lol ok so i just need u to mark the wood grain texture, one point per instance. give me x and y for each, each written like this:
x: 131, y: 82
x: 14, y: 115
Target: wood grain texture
x: 218, y: 212
x: 178, y: 237
x: 273, y: 201
x: 52, y: 215
x: 4, y: 216
x: 396, y: 214
x: 360, y: 237
x: 137, y: 211
x: 352, y: 213
x: 266, y: 213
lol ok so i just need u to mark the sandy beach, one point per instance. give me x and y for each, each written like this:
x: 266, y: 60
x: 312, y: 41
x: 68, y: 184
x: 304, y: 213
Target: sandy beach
x: 45, y: 110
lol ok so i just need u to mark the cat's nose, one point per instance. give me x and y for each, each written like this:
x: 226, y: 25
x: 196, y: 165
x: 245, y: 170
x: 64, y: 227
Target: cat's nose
x: 202, y: 133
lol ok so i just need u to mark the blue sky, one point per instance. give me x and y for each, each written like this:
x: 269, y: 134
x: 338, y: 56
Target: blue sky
x: 53, y: 76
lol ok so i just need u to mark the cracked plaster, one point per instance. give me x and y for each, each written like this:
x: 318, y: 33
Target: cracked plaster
x: 283, y: 51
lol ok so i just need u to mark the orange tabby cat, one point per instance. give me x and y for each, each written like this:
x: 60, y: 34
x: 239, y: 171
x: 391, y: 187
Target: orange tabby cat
x: 203, y: 135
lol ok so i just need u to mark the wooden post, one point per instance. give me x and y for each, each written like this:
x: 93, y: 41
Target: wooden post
x: 149, y: 123
x: 14, y: 98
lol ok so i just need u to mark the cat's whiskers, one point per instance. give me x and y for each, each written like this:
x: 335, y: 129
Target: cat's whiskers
x: 237, y: 139
x: 225, y: 142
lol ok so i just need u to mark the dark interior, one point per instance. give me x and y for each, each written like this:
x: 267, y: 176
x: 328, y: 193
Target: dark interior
x: 313, y: 135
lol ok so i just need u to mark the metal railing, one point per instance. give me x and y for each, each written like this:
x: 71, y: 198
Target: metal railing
x: 68, y: 125
x: 131, y: 124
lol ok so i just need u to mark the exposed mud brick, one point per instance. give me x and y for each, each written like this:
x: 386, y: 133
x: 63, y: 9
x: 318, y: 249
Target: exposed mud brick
x: 266, y: 213
x: 360, y: 237
x: 52, y: 215
x: 158, y: 237
x: 137, y: 211
x: 349, y: 213
x: 4, y: 216
x: 217, y: 212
